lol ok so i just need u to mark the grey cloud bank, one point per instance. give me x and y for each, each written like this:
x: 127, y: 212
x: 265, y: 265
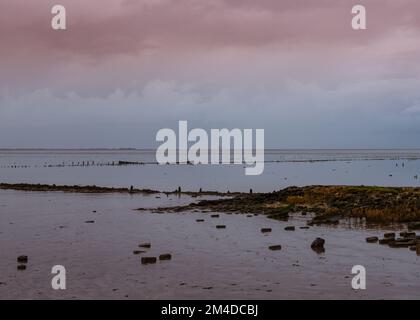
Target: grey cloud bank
x: 358, y: 115
x: 125, y: 69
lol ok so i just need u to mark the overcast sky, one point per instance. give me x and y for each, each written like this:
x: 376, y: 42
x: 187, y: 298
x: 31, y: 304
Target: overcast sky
x: 123, y: 69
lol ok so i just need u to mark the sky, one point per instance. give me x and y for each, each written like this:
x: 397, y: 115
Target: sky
x: 124, y: 69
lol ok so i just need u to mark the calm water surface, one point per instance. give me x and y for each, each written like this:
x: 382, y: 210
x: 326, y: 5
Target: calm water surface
x: 207, y: 263
x: 282, y: 168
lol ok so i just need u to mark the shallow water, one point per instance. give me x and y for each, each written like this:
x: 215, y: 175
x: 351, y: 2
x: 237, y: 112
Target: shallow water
x: 282, y: 168
x: 207, y: 263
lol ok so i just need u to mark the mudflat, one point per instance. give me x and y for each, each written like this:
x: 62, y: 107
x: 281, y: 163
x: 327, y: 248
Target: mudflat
x: 106, y: 257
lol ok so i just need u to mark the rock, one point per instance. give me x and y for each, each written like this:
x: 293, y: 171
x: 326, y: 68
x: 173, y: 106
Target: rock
x: 138, y: 251
x: 166, y: 256
x: 145, y: 245
x: 148, y: 260
x: 249, y: 215
x: 318, y: 245
x: 402, y: 243
x: 22, y: 259
x: 290, y: 228
x: 390, y: 235
x: 215, y: 216
x: 325, y: 219
x: 279, y: 216
x: 406, y: 234
x: 372, y: 239
x: 319, y: 250
x: 318, y: 242
x: 413, y: 248
x: 90, y: 221
x: 304, y: 228
x: 414, y: 225
x: 386, y: 241
x: 265, y: 230
x: 21, y: 267
x: 275, y: 247
x: 418, y: 249
x: 200, y: 220
x: 221, y: 226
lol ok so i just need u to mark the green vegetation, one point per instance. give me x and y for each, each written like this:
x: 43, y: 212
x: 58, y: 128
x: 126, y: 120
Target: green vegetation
x: 329, y: 204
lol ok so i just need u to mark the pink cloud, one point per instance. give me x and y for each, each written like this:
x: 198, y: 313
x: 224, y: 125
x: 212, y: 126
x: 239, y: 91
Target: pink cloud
x: 175, y: 34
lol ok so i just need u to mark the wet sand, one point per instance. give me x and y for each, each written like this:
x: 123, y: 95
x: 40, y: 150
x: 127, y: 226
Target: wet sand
x: 207, y: 262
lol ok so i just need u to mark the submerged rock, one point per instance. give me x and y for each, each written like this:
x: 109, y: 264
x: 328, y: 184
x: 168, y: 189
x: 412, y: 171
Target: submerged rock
x: 22, y: 259
x: 221, y: 226
x: 138, y: 251
x: 199, y: 220
x: 325, y: 219
x: 265, y: 230
x: 275, y: 247
x: 414, y: 225
x: 148, y: 260
x: 318, y: 245
x: 407, y: 234
x: 402, y: 243
x: 279, y: 216
x: 145, y: 245
x: 290, y: 228
x: 215, y: 216
x: 166, y: 256
x: 372, y: 239
x: 21, y: 267
x: 386, y: 240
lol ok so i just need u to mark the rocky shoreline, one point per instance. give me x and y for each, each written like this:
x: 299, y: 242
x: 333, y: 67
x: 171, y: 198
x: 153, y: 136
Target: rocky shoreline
x: 327, y: 204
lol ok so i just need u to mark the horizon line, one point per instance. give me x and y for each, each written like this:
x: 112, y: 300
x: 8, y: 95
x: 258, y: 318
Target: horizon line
x: 154, y: 149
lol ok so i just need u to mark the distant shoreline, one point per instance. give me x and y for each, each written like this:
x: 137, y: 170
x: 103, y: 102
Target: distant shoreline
x: 97, y: 189
x: 266, y: 149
